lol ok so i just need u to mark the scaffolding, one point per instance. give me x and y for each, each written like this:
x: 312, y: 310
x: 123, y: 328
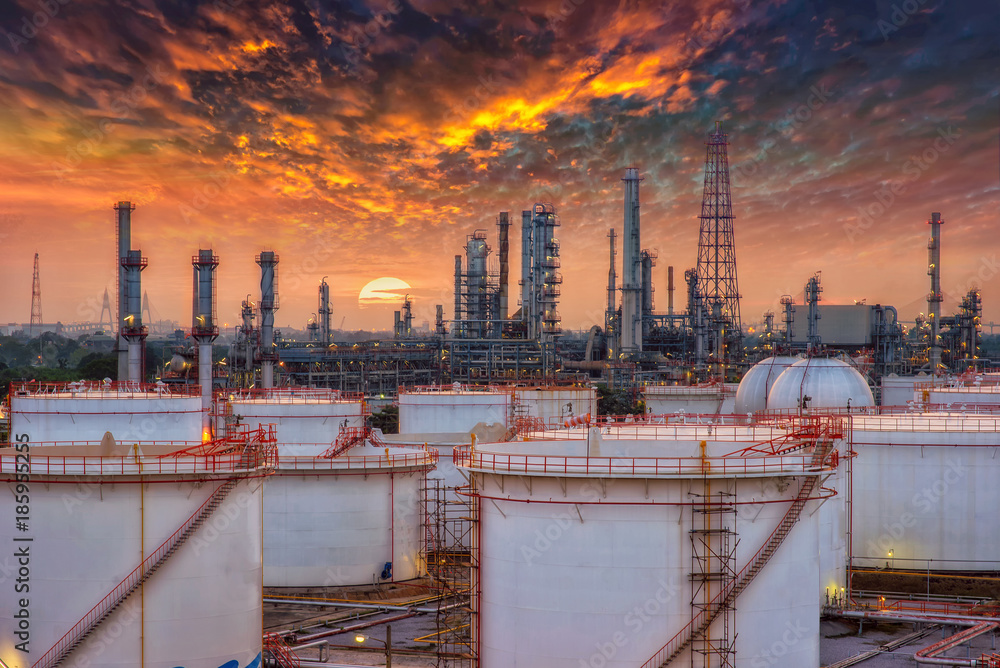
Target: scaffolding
x: 713, y: 569
x: 451, y: 553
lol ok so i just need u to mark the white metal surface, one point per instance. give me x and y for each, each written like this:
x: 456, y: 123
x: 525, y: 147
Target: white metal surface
x: 751, y: 396
x: 86, y: 416
x: 595, y: 570
x: 202, y: 607
x: 305, y: 426
x: 699, y: 399
x: 898, y: 390
x: 429, y: 411
x: 554, y: 404
x: 819, y: 383
x: 335, y: 522
x: 925, y: 489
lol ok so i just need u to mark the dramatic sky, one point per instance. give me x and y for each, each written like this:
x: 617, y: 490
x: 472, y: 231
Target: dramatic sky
x: 366, y: 139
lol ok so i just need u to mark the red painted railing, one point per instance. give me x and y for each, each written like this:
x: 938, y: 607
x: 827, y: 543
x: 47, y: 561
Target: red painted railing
x: 280, y: 651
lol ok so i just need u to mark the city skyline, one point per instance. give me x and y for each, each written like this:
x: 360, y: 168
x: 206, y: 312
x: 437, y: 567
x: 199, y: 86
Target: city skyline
x: 367, y: 141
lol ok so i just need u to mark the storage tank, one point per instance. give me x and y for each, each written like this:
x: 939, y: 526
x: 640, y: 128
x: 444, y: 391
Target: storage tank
x: 819, y: 382
x: 751, y: 395
x: 898, y: 390
x: 180, y: 530
x: 443, y: 409
x: 955, y: 392
x: 603, y: 539
x: 85, y: 410
x: 711, y: 399
x: 351, y: 519
x: 925, y: 489
x: 554, y: 404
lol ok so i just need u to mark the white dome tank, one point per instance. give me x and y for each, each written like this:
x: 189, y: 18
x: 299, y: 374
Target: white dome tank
x: 751, y: 396
x: 84, y: 411
x: 599, y: 550
x: 819, y: 382
x: 336, y: 521
x: 100, y: 516
x: 448, y: 409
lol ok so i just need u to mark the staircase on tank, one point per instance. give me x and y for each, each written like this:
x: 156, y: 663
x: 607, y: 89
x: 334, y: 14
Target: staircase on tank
x: 282, y: 654
x: 82, y: 629
x: 700, y: 622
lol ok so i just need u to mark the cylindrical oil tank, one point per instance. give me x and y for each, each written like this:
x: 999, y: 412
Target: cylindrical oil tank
x: 451, y: 409
x: 554, y: 404
x: 716, y: 399
x: 353, y: 519
x: 819, y: 382
x: 94, y: 515
x: 604, y: 541
x: 751, y: 395
x: 898, y: 390
x: 925, y: 489
x: 84, y: 411
x: 957, y: 394
x: 307, y: 420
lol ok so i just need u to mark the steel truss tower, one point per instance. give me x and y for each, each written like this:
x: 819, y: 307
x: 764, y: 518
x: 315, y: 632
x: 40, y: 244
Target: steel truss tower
x: 35, y: 328
x: 717, y: 253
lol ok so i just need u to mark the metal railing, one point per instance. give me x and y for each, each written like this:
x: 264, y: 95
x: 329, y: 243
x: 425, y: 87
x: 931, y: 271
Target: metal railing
x: 87, y: 389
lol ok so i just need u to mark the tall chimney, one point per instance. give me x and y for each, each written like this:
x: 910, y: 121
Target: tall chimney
x: 204, y: 329
x: 123, y: 232
x: 456, y: 326
x: 132, y: 330
x: 324, y: 312
x: 934, y: 297
x: 611, y: 329
x: 527, y: 294
x: 670, y: 290
x: 268, y: 261
x: 631, y: 322
x: 503, y: 233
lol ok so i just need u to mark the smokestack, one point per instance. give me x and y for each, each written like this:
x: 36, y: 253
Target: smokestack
x: 456, y: 326
x: 268, y: 261
x: 324, y: 313
x: 934, y: 297
x: 611, y: 331
x: 204, y: 329
x: 670, y: 290
x: 123, y: 233
x: 439, y: 320
x: 527, y: 308
x: 132, y: 330
x: 503, y: 232
x: 631, y: 322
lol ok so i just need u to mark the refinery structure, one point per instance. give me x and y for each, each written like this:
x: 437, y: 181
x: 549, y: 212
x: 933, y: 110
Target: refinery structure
x: 756, y: 483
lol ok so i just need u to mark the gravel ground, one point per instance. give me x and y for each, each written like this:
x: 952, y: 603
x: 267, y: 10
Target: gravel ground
x: 839, y: 640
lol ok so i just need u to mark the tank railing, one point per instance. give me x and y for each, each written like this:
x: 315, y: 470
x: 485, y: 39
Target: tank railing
x: 418, y: 458
x: 637, y: 466
x: 291, y: 395
x: 455, y: 387
x: 280, y: 651
x: 352, y: 436
x: 916, y: 408
x: 97, y: 389
x: 702, y: 620
x: 133, y: 580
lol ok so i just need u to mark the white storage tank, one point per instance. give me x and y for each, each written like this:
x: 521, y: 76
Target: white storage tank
x: 554, y: 404
x: 451, y: 408
x: 99, y: 516
x: 307, y: 420
x: 956, y: 393
x: 751, y: 395
x: 925, y: 489
x: 85, y: 410
x: 898, y: 390
x: 353, y: 519
x: 713, y: 399
x: 589, y: 546
x: 819, y: 382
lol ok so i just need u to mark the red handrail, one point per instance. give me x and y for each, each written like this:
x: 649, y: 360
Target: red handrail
x: 282, y: 653
x: 130, y: 583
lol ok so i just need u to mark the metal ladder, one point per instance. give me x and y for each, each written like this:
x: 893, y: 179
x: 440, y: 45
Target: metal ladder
x: 282, y: 654
x: 701, y: 621
x: 83, y: 628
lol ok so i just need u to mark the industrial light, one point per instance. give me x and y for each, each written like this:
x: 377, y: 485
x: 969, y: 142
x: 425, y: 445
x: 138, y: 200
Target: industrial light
x: 359, y: 638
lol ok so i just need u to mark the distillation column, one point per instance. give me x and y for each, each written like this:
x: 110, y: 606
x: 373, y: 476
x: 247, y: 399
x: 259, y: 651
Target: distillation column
x: 631, y: 322
x: 503, y: 236
x: 204, y: 329
x: 324, y: 313
x: 123, y: 221
x: 132, y: 330
x: 456, y: 323
x: 268, y: 261
x: 934, y: 297
x: 527, y: 307
x: 610, y: 327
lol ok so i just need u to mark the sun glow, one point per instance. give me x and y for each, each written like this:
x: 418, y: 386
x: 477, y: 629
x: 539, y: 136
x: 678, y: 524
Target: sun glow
x: 384, y: 290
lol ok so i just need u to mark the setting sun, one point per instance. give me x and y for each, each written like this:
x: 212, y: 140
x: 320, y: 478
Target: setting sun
x: 384, y: 290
